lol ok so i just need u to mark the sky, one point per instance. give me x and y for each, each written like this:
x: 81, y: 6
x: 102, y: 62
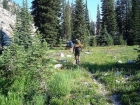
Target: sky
x: 92, y: 6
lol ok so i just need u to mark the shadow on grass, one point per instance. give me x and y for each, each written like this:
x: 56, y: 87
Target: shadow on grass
x: 128, y: 68
x: 108, y: 67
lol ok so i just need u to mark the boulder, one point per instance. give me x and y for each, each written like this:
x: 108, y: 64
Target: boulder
x: 57, y: 66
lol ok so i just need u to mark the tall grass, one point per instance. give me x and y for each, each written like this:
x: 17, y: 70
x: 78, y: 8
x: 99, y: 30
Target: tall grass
x: 60, y: 85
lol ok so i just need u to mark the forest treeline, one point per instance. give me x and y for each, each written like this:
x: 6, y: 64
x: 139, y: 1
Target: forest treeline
x: 117, y: 22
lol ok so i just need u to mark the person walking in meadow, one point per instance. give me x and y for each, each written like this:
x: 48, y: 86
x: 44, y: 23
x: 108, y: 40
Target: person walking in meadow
x: 76, y: 50
x: 71, y: 45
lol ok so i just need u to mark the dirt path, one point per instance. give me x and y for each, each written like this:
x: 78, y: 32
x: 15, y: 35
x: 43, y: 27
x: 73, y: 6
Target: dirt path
x: 105, y: 93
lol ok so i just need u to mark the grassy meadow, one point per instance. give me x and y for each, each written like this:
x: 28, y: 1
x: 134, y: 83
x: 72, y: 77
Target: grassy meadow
x: 102, y: 72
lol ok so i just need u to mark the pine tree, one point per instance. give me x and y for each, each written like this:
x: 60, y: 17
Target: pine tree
x: 92, y: 28
x: 79, y: 25
x: 134, y: 36
x: 128, y: 19
x: 16, y: 38
x: 46, y: 15
x: 123, y: 17
x: 109, y: 16
x: 98, y: 22
x: 23, y: 30
x: 88, y: 25
x: 67, y: 22
x: 87, y: 16
x: 72, y: 19
x: 104, y: 38
x: 135, y: 21
x: 120, y: 16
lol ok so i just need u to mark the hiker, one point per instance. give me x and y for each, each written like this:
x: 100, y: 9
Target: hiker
x: 71, y: 45
x: 76, y: 50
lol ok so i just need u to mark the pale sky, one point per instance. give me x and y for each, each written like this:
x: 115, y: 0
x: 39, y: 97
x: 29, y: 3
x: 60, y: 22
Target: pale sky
x: 92, y: 6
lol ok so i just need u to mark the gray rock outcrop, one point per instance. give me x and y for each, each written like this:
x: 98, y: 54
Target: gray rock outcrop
x: 7, y: 21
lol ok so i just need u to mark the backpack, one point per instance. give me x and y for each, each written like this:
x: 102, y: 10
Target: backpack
x: 78, y: 44
x: 71, y: 44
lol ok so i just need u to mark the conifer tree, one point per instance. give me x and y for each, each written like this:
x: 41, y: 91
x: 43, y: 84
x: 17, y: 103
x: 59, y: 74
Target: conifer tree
x: 109, y: 16
x: 98, y: 22
x: 89, y: 27
x: 104, y: 38
x: 72, y: 19
x: 23, y: 26
x: 66, y: 21
x: 46, y: 15
x: 134, y: 35
x: 87, y: 16
x: 79, y: 25
x: 120, y: 16
x: 92, y: 28
x: 123, y: 17
x: 16, y: 38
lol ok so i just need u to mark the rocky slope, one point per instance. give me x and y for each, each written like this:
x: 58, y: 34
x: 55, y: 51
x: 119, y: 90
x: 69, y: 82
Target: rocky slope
x: 7, y: 21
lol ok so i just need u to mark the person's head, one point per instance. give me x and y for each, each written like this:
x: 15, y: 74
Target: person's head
x: 76, y: 41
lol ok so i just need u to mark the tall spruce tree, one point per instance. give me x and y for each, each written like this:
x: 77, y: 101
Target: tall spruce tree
x: 134, y: 35
x: 79, y: 25
x: 66, y: 21
x: 46, y: 15
x: 123, y: 17
x: 98, y: 22
x: 23, y: 30
x: 102, y: 39
x: 120, y: 16
x: 72, y: 19
x: 92, y: 28
x: 88, y: 25
x: 87, y: 16
x: 17, y: 28
x: 109, y: 16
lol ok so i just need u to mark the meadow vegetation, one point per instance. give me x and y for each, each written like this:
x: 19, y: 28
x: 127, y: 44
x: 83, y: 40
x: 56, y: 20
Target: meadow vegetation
x: 29, y: 78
